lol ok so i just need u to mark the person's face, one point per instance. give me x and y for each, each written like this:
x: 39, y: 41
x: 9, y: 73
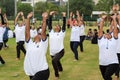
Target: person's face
x: 20, y: 23
x: 33, y: 27
x: 37, y: 38
x: 57, y: 28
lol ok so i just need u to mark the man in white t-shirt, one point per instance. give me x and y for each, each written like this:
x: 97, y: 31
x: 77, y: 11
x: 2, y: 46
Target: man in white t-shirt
x: 35, y: 63
x: 56, y: 40
x: 108, y: 60
x: 20, y: 34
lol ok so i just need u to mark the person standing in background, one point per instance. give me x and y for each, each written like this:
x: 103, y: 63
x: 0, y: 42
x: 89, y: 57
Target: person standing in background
x: 35, y: 63
x: 75, y: 34
x: 20, y: 34
x: 108, y: 60
x: 6, y: 29
x: 82, y: 32
x: 56, y: 39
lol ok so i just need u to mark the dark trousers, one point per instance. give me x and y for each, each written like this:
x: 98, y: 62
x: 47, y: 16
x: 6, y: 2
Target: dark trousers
x: 56, y: 62
x: 82, y: 38
x: 108, y: 71
x: 41, y: 75
x: 4, y: 43
x: 20, y: 46
x: 74, y: 46
x: 118, y: 70
x: 1, y: 59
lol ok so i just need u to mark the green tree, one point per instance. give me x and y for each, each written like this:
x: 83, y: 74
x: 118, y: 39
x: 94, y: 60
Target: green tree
x: 105, y: 5
x: 7, y: 6
x: 24, y: 7
x: 41, y: 7
x: 85, y: 7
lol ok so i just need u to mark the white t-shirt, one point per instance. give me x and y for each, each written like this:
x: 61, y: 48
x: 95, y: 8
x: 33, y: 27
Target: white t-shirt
x: 82, y: 30
x: 107, y: 51
x: 20, y: 33
x: 10, y: 34
x: 2, y: 30
x: 35, y: 59
x: 75, y: 34
x: 56, y: 42
x: 33, y: 33
x: 118, y: 44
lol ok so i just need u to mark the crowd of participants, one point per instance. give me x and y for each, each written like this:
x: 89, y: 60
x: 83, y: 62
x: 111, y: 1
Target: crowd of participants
x: 36, y: 42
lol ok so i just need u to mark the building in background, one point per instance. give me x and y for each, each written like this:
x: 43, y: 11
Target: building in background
x: 31, y: 1
x: 57, y: 2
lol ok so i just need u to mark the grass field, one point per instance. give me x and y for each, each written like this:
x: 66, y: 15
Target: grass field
x: 86, y: 68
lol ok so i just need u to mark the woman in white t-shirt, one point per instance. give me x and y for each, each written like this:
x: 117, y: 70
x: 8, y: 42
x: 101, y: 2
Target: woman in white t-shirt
x: 56, y: 39
x: 75, y: 34
x: 82, y: 34
x: 108, y: 61
x: 35, y: 63
x: 20, y: 34
x: 1, y: 35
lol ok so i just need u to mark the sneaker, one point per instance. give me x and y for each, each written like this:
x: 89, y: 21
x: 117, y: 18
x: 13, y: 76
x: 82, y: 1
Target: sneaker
x: 75, y: 60
x: 56, y: 78
x: 17, y: 59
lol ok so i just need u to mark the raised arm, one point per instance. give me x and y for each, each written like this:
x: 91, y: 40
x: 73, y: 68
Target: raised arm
x: 27, y: 32
x: 100, y: 32
x: 71, y: 15
x: 115, y: 30
x: 1, y: 16
x: 50, y: 20
x: 6, y: 20
x: 23, y: 18
x: 118, y: 17
x: 78, y: 17
x: 43, y: 33
x: 64, y: 21
x: 16, y: 19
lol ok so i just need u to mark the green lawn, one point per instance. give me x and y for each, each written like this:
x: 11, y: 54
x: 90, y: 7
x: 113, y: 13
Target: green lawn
x: 86, y: 68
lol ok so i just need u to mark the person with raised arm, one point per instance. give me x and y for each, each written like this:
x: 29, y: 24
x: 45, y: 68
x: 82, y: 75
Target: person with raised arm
x: 20, y: 34
x: 35, y: 63
x: 108, y: 61
x: 75, y: 35
x: 6, y: 34
x: 56, y: 39
x: 82, y: 30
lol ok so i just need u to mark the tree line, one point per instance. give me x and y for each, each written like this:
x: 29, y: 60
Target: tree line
x: 85, y: 7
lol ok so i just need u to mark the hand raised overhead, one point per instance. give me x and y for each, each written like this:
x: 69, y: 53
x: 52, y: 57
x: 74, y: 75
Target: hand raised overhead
x: 71, y: 14
x: 52, y: 12
x: 45, y: 15
x: 30, y: 15
x: 103, y: 16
